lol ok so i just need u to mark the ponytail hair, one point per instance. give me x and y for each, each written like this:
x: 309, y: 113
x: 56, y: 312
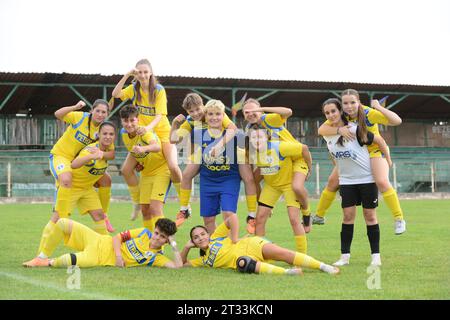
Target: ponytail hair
x: 362, y: 132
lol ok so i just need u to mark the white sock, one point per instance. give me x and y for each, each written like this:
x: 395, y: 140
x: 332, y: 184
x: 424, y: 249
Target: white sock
x: 184, y: 208
x: 376, y: 257
x: 345, y: 256
x: 42, y: 256
x: 252, y: 214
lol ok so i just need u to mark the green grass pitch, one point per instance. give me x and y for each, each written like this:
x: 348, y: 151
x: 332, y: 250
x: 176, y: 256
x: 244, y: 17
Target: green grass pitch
x: 416, y: 265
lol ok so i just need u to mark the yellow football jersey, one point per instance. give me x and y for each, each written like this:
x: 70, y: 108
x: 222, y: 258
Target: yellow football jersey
x: 222, y: 253
x: 275, y: 123
x: 148, y: 111
x: 136, y: 251
x: 276, y: 162
x: 154, y: 163
x: 91, y: 172
x: 77, y: 136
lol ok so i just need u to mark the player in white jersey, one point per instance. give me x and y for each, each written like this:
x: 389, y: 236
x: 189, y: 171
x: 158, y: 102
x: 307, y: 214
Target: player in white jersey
x: 356, y: 183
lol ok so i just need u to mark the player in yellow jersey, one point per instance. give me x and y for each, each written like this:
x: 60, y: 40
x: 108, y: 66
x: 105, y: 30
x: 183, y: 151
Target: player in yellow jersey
x: 358, y: 113
x: 274, y: 121
x: 183, y: 127
x: 150, y: 98
x: 82, y: 131
x: 131, y: 248
x: 274, y: 158
x: 154, y: 181
x: 87, y: 168
x: 223, y: 249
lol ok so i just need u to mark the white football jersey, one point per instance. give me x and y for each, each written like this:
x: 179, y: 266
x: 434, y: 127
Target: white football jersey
x: 352, y: 159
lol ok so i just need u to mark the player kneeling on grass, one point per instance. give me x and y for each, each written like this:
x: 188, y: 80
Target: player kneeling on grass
x: 224, y: 250
x: 136, y: 247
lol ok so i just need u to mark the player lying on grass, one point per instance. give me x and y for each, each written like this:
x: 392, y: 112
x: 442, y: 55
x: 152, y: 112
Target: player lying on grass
x: 224, y: 250
x: 136, y: 247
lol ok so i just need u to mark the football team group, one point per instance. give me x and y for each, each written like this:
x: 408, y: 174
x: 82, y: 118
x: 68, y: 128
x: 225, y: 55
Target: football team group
x: 264, y: 155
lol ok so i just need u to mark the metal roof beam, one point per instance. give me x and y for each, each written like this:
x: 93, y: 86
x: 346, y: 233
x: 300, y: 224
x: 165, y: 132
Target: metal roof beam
x: 10, y: 94
x: 333, y: 91
x: 336, y: 94
x: 267, y: 95
x: 117, y: 109
x: 80, y: 96
x: 391, y: 105
x: 442, y: 96
x: 201, y: 93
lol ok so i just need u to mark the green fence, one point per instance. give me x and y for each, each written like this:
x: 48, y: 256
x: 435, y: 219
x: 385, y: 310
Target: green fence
x: 27, y: 173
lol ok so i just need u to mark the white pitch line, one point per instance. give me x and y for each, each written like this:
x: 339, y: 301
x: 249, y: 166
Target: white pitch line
x: 49, y: 285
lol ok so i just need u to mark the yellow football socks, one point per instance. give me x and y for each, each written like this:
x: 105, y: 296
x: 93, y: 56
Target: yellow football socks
x: 63, y: 201
x: 62, y: 261
x: 301, y: 244
x: 45, y: 234
x: 326, y: 199
x: 251, y: 202
x: 391, y: 199
x: 305, y: 212
x: 100, y: 227
x: 134, y: 192
x: 104, y: 194
x: 185, y: 197
x: 303, y: 260
x: 271, y: 269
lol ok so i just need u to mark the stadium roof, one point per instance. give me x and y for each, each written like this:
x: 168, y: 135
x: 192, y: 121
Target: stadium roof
x: 43, y: 93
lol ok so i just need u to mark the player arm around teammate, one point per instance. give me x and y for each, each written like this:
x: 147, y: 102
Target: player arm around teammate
x: 356, y: 183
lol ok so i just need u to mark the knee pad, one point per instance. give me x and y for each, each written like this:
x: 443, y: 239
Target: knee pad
x: 246, y: 264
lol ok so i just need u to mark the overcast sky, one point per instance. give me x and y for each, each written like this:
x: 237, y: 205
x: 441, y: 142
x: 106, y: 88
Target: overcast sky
x: 383, y: 41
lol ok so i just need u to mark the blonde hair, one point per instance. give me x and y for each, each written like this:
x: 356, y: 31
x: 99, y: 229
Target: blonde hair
x: 214, y: 104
